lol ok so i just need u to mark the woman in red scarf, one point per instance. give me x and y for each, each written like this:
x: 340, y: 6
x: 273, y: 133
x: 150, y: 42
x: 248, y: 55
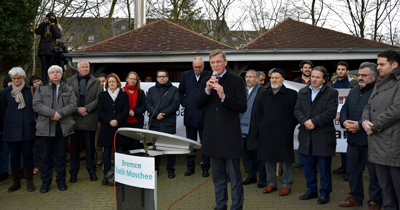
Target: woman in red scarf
x: 137, y: 108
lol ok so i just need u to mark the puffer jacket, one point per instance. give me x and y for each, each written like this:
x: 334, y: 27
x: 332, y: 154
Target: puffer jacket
x: 383, y: 110
x: 46, y: 104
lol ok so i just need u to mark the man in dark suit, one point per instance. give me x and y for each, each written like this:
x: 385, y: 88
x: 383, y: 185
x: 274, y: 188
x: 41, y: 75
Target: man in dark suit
x: 224, y: 98
x: 315, y: 110
x: 189, y: 88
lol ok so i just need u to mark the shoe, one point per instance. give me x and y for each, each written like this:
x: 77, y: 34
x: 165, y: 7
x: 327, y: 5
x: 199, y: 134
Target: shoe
x: 98, y: 164
x: 93, y: 177
x: 285, y: 191
x: 298, y: 166
x: 262, y: 183
x: 62, y: 186
x: 205, y: 173
x: 373, y: 206
x: 30, y: 186
x: 73, y: 178
x: 323, y: 199
x: 269, y: 189
x: 345, y: 177
x: 349, y: 202
x: 44, y: 188
x: 340, y: 170
x: 104, y: 182
x: 16, y: 174
x: 250, y: 180
x: 35, y: 170
x: 189, y: 172
x: 171, y: 174
x: 308, y: 195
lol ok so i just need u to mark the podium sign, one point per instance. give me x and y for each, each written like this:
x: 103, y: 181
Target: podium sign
x: 135, y: 171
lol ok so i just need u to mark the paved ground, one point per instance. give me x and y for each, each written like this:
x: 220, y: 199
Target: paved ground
x: 86, y: 194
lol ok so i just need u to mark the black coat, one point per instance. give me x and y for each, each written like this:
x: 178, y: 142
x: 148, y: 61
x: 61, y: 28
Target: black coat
x: 322, y: 112
x: 109, y: 110
x: 189, y: 88
x: 47, y: 40
x: 139, y: 111
x: 352, y: 109
x: 251, y: 142
x: 19, y: 124
x: 167, y: 99
x: 275, y: 123
x: 222, y: 136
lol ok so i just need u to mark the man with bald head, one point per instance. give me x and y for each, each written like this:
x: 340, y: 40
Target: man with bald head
x: 193, y: 119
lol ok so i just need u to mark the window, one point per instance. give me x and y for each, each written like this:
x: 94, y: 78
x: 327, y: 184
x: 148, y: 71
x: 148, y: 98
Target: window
x: 122, y: 27
x: 91, y: 39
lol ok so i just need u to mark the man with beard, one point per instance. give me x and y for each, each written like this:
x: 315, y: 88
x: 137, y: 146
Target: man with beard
x: 357, y: 149
x: 162, y: 102
x: 305, y: 68
x: 380, y: 120
x: 250, y: 159
x: 315, y: 110
x: 342, y: 80
x: 274, y: 123
x: 261, y: 78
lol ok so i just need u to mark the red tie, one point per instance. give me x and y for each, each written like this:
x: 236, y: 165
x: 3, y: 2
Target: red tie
x: 218, y: 79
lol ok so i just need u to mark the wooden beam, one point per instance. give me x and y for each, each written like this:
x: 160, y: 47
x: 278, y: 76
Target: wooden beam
x: 101, y: 69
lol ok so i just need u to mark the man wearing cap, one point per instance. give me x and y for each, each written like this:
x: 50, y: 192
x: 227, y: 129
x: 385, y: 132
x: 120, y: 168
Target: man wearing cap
x: 55, y: 102
x: 274, y: 123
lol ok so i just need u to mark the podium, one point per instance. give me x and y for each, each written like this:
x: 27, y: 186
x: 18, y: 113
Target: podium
x: 140, y: 180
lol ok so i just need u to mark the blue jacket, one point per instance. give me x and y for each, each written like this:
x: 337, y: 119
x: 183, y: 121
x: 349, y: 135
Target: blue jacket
x: 189, y: 88
x: 19, y: 124
x: 352, y: 110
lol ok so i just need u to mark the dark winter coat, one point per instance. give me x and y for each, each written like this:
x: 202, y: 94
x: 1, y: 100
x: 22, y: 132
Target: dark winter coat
x: 19, y: 124
x: 383, y: 111
x: 111, y: 110
x: 251, y: 142
x: 167, y: 98
x: 322, y: 112
x: 352, y: 109
x: 47, y: 40
x: 46, y: 104
x: 189, y: 88
x: 139, y: 111
x: 222, y: 135
x: 93, y: 88
x: 275, y: 123
x: 352, y: 82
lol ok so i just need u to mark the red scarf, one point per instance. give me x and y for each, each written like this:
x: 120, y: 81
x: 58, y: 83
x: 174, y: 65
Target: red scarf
x: 132, y: 101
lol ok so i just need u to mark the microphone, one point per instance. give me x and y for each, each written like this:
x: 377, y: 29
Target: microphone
x: 215, y: 74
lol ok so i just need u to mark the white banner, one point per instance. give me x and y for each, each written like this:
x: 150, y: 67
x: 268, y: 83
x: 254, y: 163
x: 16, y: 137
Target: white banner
x: 341, y: 134
x: 135, y: 171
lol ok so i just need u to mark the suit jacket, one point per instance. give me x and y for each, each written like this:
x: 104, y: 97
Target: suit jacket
x: 189, y: 88
x: 222, y: 136
x: 93, y: 88
x: 111, y: 110
x: 322, y: 111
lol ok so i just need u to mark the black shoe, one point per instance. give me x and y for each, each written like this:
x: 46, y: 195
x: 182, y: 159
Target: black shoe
x: 340, y: 170
x: 62, y: 186
x: 262, y: 183
x: 205, y: 173
x: 93, y: 177
x: 44, y: 188
x: 73, y: 178
x: 345, y: 177
x: 309, y: 195
x: 171, y: 174
x: 189, y: 172
x: 250, y: 180
x: 105, y: 181
x: 298, y: 166
x: 323, y: 199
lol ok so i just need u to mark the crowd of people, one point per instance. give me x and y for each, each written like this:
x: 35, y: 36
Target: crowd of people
x: 234, y: 119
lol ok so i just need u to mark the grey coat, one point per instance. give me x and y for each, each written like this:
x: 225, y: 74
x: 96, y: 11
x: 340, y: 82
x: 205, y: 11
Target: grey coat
x: 383, y: 110
x: 46, y: 104
x: 93, y: 88
x: 322, y: 112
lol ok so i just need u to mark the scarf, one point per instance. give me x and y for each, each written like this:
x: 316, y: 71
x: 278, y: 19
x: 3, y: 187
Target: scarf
x: 16, y: 93
x: 113, y: 95
x: 82, y: 87
x: 132, y: 101
x: 245, y: 117
x: 385, y: 79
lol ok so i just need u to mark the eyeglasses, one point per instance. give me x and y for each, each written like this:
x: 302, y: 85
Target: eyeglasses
x: 162, y: 76
x: 362, y: 75
x: 250, y: 77
x: 197, y: 67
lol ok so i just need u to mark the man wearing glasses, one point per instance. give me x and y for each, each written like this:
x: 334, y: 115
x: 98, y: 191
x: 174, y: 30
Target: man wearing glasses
x: 162, y: 102
x: 189, y: 88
